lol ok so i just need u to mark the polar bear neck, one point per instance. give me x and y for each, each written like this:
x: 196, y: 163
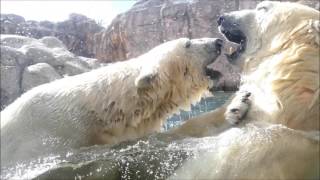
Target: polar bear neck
x: 289, y: 77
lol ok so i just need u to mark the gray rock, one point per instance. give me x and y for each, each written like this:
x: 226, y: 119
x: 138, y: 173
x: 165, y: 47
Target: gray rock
x: 92, y: 63
x: 52, y: 42
x: 10, y: 84
x: 41, y: 55
x: 27, y: 62
x: 12, y: 57
x: 15, y: 41
x: 38, y: 74
x: 75, y: 67
x: 73, y: 32
x: 151, y: 22
x: 12, y: 18
x: 12, y: 64
x: 47, y: 24
x: 10, y: 23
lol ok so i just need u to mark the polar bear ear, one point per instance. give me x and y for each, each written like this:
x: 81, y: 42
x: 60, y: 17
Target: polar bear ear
x: 145, y: 81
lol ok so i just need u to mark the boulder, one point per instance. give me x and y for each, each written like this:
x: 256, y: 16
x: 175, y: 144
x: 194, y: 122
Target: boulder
x: 73, y: 32
x: 15, y: 41
x: 12, y: 63
x: 38, y: 74
x: 10, y: 84
x: 52, y: 42
x: 27, y: 62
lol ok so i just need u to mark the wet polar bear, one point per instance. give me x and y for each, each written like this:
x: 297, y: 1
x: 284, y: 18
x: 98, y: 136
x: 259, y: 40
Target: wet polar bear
x: 278, y: 99
x: 279, y: 53
x: 122, y: 101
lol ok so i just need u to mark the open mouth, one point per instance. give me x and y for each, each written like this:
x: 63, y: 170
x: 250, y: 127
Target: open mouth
x: 235, y: 35
x: 213, y: 74
x: 215, y: 49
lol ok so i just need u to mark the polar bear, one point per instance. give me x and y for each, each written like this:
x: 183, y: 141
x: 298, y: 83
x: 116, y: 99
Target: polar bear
x: 119, y: 102
x: 277, y: 105
x: 279, y: 56
x: 281, y: 66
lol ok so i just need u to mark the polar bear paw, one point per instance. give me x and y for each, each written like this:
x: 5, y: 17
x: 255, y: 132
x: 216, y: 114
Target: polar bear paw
x: 238, y: 107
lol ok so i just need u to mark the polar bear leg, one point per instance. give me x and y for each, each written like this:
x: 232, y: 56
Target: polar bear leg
x: 238, y: 107
x: 207, y: 124
x: 214, y: 122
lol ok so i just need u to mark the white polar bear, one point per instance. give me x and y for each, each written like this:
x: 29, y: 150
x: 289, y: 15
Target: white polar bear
x: 279, y: 53
x: 122, y: 101
x: 279, y: 50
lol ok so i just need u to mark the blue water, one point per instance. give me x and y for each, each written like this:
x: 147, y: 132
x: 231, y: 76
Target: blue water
x: 205, y: 105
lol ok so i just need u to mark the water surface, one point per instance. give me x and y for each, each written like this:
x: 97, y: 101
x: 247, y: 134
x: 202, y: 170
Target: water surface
x: 154, y: 157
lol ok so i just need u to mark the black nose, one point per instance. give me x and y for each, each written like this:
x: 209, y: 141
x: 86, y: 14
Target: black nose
x: 218, y: 44
x: 214, y: 46
x: 220, y: 20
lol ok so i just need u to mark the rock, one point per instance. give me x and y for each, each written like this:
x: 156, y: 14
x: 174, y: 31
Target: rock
x: 74, y: 32
x: 16, y: 19
x: 12, y: 64
x: 38, y: 74
x: 15, y: 41
x: 42, y: 55
x: 52, y: 42
x: 10, y: 84
x: 151, y: 22
x: 11, y: 23
x: 92, y: 63
x: 12, y: 57
x: 75, y: 67
x: 47, y: 24
x: 50, y: 50
x: 28, y: 62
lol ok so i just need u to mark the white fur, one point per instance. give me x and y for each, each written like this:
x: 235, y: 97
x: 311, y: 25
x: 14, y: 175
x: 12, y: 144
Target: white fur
x: 281, y: 70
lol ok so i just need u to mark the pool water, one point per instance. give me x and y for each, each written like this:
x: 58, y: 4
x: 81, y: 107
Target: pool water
x: 205, y: 105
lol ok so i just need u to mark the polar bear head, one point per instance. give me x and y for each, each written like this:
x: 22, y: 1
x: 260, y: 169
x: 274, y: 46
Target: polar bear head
x: 266, y: 27
x: 178, y: 65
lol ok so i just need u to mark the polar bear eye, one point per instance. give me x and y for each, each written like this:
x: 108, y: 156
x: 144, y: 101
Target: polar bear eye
x: 263, y: 8
x: 188, y: 44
